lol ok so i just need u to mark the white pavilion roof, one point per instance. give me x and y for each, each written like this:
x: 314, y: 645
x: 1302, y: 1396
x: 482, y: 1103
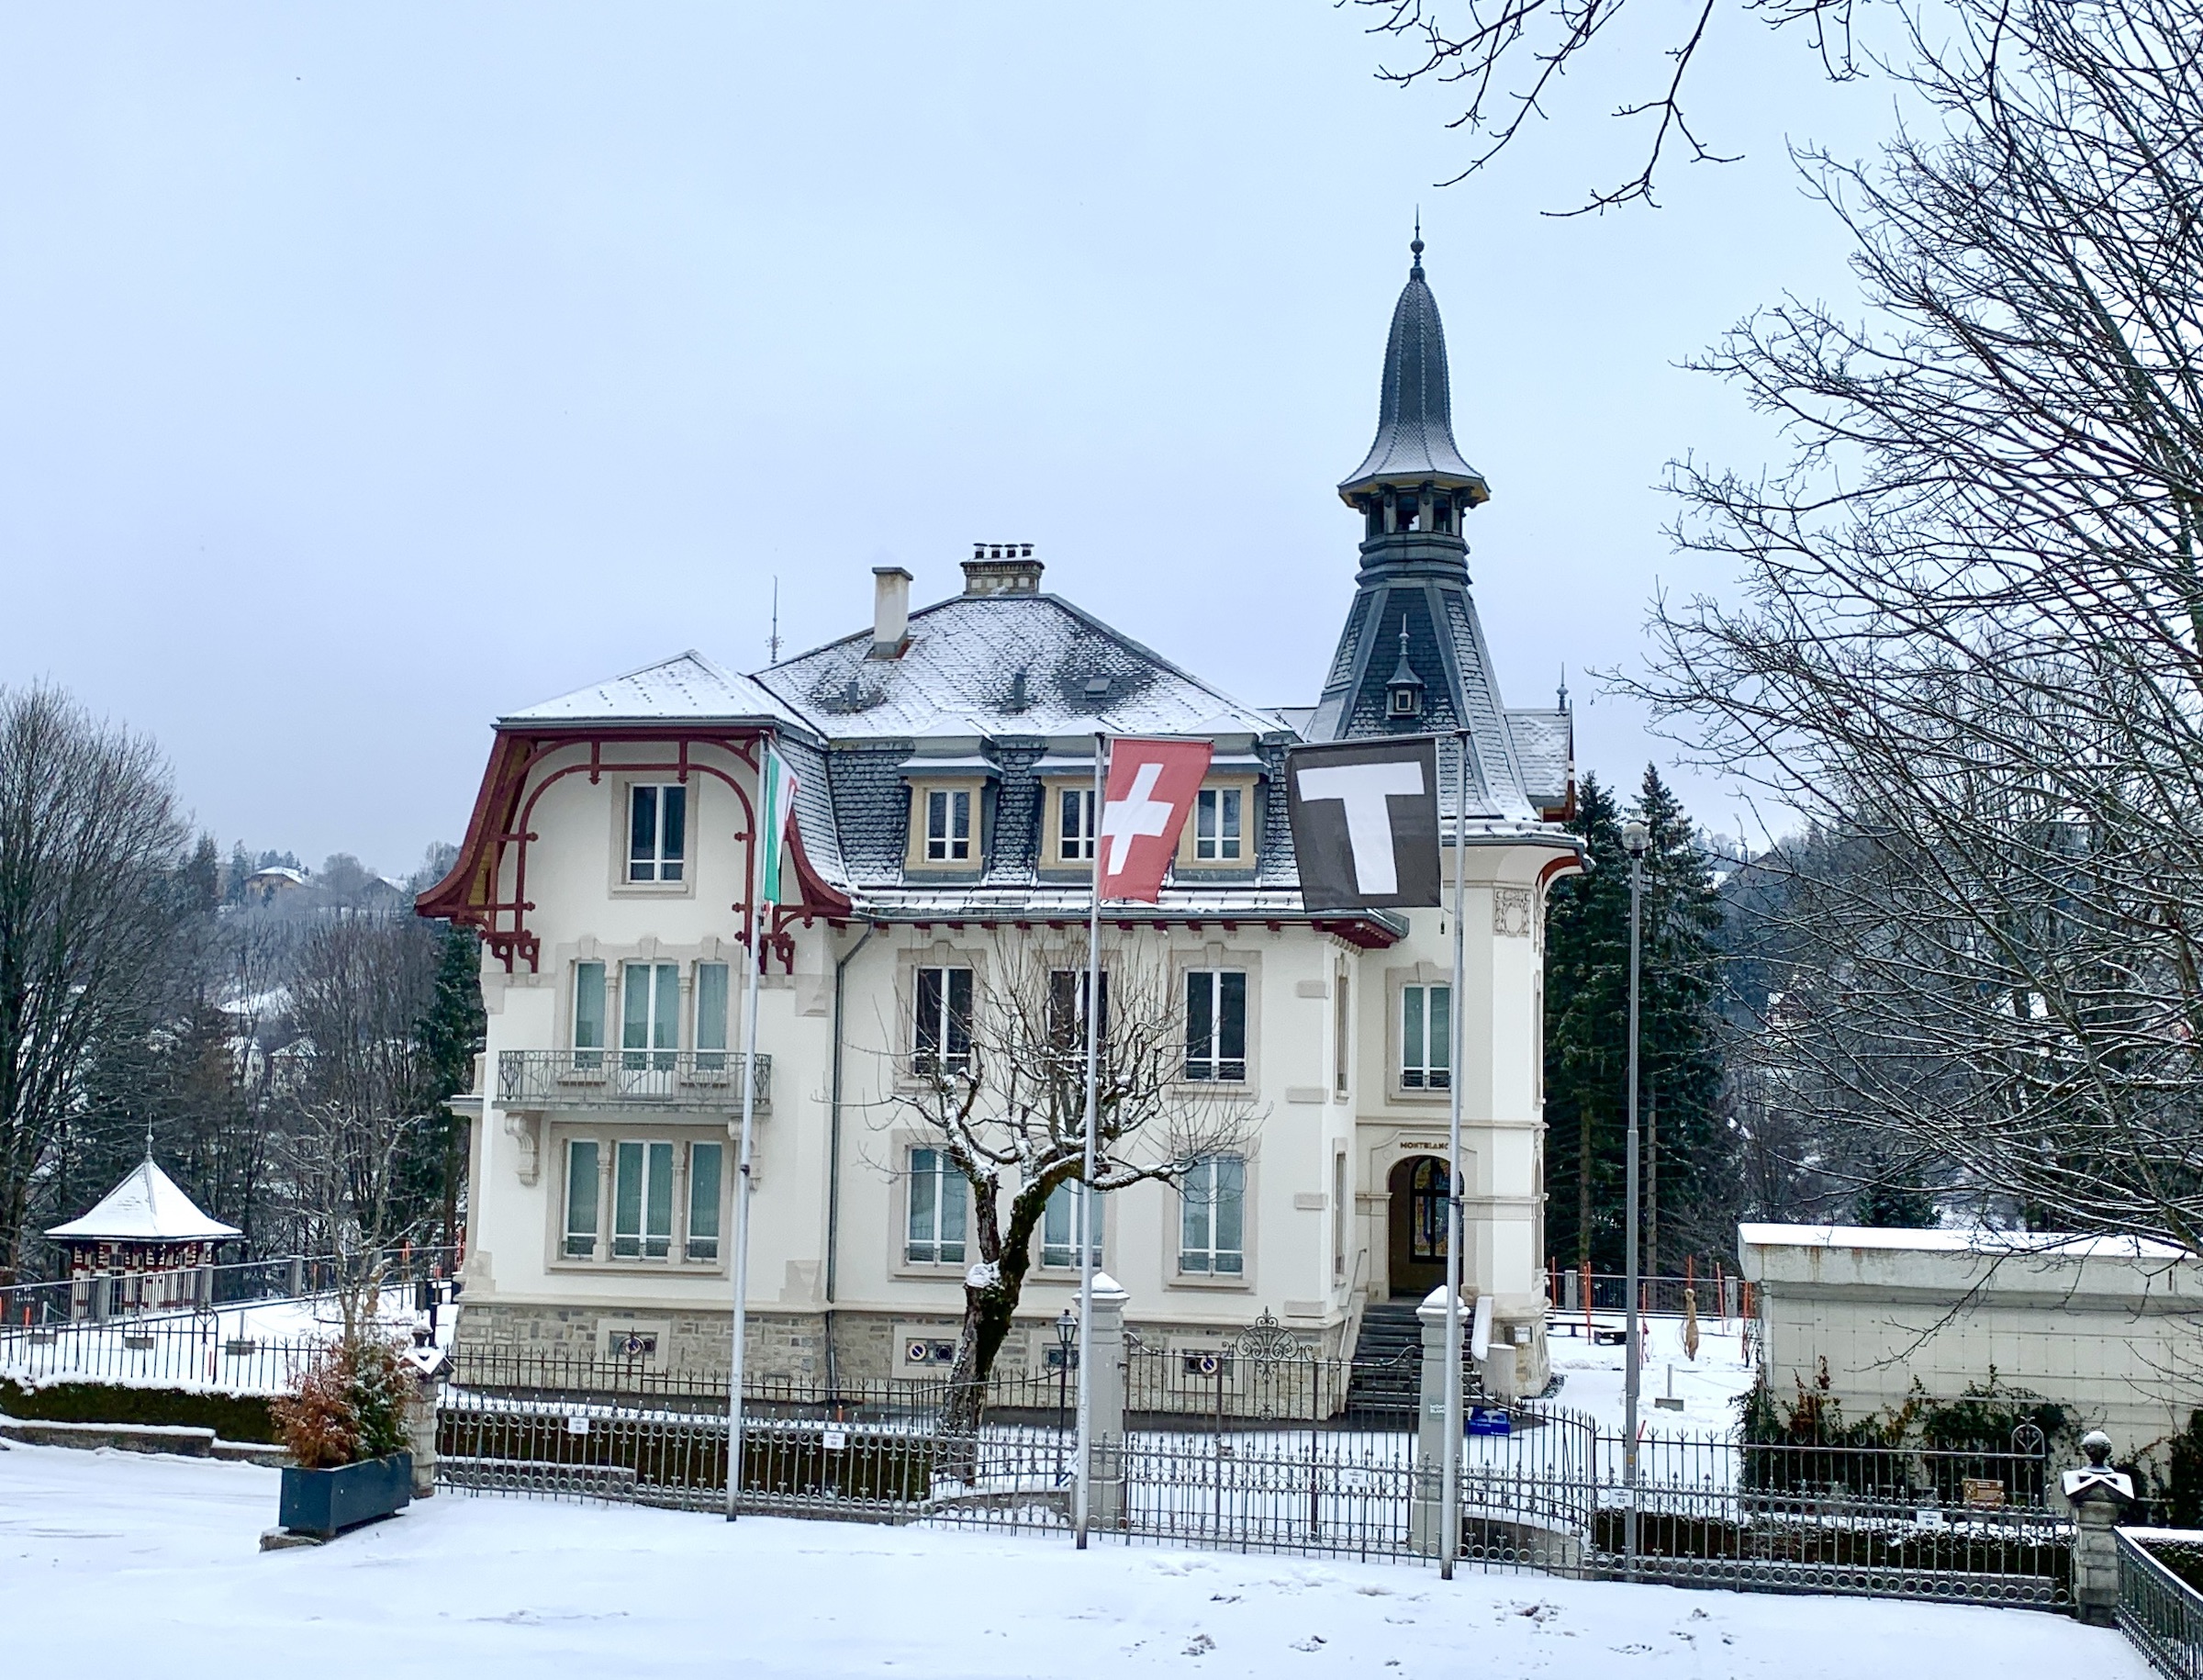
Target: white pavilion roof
x: 145, y: 1207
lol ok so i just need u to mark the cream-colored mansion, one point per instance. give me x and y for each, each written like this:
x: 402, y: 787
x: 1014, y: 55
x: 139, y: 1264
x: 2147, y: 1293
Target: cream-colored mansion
x: 943, y: 825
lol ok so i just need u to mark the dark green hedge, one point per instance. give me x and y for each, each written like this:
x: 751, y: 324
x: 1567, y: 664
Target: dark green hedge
x: 242, y: 1418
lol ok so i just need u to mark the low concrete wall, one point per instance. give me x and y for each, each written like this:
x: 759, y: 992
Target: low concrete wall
x: 2110, y: 1328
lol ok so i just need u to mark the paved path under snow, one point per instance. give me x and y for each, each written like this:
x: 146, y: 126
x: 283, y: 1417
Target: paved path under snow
x: 115, y: 1567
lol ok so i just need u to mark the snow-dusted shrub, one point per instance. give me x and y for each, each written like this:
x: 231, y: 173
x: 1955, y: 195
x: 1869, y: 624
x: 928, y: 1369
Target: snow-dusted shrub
x: 350, y: 1407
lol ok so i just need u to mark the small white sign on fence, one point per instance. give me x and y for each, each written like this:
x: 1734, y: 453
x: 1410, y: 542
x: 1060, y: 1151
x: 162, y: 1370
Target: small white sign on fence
x: 836, y: 1440
x: 578, y: 1425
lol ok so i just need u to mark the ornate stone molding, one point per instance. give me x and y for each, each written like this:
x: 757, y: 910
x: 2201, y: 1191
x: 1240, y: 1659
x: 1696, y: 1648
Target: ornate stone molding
x: 526, y: 1131
x: 1513, y: 911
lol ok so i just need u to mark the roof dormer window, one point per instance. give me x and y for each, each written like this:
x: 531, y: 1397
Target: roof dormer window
x: 1403, y: 694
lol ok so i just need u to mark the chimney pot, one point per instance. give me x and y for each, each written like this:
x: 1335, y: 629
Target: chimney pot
x: 891, y: 611
x: 1001, y: 568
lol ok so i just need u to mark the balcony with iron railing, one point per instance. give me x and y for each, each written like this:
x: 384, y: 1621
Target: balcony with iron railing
x: 690, y: 1081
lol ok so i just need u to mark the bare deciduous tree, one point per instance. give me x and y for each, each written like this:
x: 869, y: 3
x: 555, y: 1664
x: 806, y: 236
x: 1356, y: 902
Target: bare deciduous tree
x: 1003, y: 1098
x: 366, y: 1109
x: 1970, y: 639
x: 90, y: 844
x: 1509, y: 57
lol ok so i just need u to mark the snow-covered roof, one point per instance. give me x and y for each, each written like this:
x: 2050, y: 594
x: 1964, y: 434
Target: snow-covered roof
x: 145, y: 1207
x: 981, y: 666
x: 1968, y: 1240
x: 295, y: 877
x: 687, y: 688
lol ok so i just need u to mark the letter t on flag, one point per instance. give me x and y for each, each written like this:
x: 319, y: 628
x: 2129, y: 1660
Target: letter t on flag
x: 1151, y: 788
x: 1365, y: 823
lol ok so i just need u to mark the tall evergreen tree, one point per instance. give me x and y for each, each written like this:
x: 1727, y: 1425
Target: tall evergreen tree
x: 1586, y: 1047
x: 448, y: 1036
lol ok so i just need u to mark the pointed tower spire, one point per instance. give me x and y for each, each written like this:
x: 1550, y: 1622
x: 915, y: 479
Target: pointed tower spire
x: 1413, y: 450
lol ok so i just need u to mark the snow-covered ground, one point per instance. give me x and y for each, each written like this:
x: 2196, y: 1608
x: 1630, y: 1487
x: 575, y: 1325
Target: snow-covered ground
x: 1707, y: 1386
x: 113, y: 1564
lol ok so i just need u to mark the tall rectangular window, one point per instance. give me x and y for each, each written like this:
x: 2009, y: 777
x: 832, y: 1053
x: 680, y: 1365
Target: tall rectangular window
x: 649, y: 1014
x: 1216, y: 1025
x: 1427, y: 1037
x: 1212, y: 1217
x: 658, y: 832
x: 941, y: 1042
x: 1216, y: 825
x: 947, y: 826
x: 1067, y: 1008
x: 1074, y: 823
x: 581, y: 1199
x: 1059, y: 1226
x: 1339, y: 1216
x: 641, y: 1200
x: 1342, y: 1033
x: 705, y: 1162
x: 935, y: 1232
x: 588, y: 1015
x: 711, y: 1016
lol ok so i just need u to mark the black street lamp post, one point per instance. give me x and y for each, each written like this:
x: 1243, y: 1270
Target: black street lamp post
x: 1067, y: 1342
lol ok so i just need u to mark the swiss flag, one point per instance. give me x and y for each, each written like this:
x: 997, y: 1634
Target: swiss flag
x: 1144, y: 803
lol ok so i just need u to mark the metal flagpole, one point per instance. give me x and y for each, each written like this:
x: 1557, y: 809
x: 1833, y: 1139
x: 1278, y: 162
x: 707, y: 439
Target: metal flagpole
x: 760, y: 828
x: 1083, y: 1488
x: 1450, y: 1503
x: 1087, y: 1182
x: 1635, y: 839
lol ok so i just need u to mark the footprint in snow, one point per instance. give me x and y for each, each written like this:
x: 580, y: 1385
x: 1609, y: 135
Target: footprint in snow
x: 1314, y: 1641
x: 1199, y: 1646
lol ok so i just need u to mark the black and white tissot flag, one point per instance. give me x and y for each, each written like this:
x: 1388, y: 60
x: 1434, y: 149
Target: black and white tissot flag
x: 1365, y: 823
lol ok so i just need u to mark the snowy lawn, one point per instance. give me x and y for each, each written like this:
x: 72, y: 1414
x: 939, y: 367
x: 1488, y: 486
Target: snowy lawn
x: 113, y: 1564
x: 1707, y: 1386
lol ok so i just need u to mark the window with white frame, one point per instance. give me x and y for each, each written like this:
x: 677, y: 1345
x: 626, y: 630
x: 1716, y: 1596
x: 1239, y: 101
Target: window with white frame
x: 939, y: 1204
x: 1067, y: 1008
x: 582, y: 1157
x: 1074, y: 824
x: 941, y: 1035
x: 1216, y: 827
x: 948, y: 826
x: 1425, y: 1037
x: 658, y: 832
x: 649, y: 1014
x: 711, y: 1016
x: 1212, y: 1217
x: 1216, y: 1025
x: 641, y: 1200
x: 1059, y: 1226
x: 706, y: 1166
x: 588, y: 1015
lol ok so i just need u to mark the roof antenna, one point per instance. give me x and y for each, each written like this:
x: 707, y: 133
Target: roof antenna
x: 772, y: 642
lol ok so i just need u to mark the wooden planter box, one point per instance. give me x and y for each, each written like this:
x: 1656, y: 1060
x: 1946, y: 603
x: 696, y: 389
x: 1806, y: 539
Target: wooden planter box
x: 327, y: 1502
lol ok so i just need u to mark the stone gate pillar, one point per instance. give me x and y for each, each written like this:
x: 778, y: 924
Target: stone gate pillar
x: 1425, y: 1521
x: 1105, y: 1397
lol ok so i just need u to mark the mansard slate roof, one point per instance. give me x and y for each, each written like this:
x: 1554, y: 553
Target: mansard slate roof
x: 1415, y: 403
x: 145, y: 1207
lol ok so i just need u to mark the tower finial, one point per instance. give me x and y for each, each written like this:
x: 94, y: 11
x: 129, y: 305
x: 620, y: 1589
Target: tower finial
x: 148, y: 1139
x: 1416, y: 245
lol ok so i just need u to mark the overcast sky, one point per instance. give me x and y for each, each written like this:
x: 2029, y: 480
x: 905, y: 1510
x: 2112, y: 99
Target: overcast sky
x: 368, y: 371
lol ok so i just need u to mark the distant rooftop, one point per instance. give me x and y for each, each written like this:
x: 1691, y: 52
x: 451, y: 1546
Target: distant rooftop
x: 147, y: 1206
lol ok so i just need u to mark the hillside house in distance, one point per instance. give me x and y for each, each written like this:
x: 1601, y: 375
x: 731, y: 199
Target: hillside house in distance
x: 943, y: 835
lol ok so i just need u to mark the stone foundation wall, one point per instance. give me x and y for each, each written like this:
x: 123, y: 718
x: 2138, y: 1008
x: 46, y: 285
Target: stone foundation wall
x: 867, y: 1346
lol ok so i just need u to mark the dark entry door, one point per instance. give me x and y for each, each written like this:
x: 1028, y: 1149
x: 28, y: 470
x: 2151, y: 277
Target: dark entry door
x: 1418, y: 1225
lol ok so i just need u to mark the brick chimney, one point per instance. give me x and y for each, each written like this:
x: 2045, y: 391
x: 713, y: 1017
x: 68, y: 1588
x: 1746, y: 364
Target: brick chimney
x: 890, y: 612
x: 1001, y: 568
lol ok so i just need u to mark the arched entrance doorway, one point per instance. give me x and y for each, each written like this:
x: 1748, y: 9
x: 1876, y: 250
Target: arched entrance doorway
x: 1418, y: 1225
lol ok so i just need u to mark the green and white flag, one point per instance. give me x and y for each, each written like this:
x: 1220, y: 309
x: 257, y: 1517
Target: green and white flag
x: 779, y: 790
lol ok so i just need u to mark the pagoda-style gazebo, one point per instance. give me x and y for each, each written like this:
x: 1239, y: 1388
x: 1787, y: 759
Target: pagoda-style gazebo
x: 147, y: 1232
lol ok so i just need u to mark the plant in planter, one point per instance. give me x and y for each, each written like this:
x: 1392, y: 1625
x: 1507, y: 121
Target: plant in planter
x: 346, y: 1427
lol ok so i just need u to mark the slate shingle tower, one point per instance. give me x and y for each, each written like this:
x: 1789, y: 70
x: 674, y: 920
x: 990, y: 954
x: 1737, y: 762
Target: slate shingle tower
x: 1413, y: 658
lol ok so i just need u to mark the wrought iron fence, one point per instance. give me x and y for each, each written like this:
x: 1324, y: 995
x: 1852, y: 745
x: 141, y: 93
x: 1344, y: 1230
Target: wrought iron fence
x: 103, y: 1296
x: 168, y: 1353
x: 706, y: 1082
x: 2160, y: 1608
